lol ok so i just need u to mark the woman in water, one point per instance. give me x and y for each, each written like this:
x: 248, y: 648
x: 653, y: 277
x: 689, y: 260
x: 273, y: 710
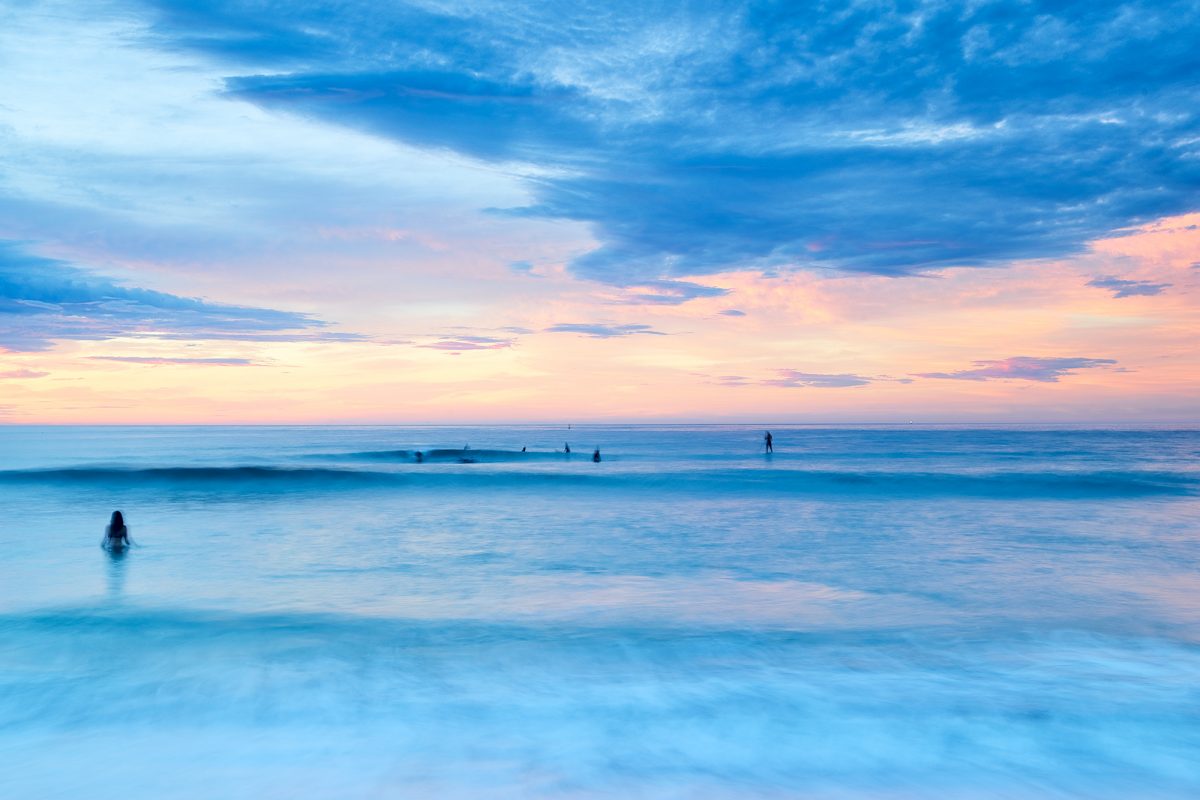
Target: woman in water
x: 116, y: 535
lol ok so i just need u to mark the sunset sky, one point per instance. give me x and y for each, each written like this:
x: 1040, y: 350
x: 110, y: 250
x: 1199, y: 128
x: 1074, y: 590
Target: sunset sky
x: 361, y: 212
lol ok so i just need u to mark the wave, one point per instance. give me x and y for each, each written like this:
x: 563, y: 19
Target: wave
x: 248, y: 475
x: 709, y: 482
x: 453, y: 456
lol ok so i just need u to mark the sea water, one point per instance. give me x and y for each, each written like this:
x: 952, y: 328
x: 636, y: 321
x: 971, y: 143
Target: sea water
x: 884, y: 612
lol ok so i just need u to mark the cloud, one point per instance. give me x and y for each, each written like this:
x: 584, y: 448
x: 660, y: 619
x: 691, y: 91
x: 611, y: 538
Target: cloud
x: 669, y: 293
x: 795, y: 379
x: 44, y: 299
x: 791, y: 378
x: 887, y: 139
x: 1127, y: 288
x: 499, y: 120
x: 13, y: 374
x: 462, y: 344
x: 1024, y: 368
x: 161, y: 360
x: 523, y: 268
x: 599, y: 331
x: 245, y: 336
x: 732, y: 312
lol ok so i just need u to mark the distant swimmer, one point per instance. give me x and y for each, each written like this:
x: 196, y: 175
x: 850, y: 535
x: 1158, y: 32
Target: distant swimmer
x: 420, y: 457
x: 596, y: 456
x: 522, y: 449
x: 770, y: 442
x: 566, y: 447
x: 116, y: 535
x: 466, y: 447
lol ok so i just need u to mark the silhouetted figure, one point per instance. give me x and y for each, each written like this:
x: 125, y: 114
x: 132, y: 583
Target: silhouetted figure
x: 420, y: 457
x: 522, y: 449
x: 596, y: 456
x: 566, y: 447
x: 466, y: 447
x: 116, y: 535
x: 770, y: 442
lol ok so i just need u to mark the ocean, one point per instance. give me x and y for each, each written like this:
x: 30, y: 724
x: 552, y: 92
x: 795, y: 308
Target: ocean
x: 874, y: 612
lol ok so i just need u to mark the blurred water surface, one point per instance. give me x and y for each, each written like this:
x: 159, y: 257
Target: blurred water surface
x: 900, y: 612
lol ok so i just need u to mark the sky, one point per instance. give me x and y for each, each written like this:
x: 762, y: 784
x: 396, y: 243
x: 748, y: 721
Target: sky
x: 250, y: 211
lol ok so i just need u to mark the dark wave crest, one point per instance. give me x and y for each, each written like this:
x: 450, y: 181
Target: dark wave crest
x: 248, y: 475
x: 709, y: 482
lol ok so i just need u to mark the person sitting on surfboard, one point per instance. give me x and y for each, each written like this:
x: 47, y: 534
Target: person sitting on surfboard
x: 116, y: 535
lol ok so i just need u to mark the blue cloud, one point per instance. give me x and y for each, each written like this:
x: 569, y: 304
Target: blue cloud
x: 1121, y: 287
x: 732, y: 312
x: 887, y: 139
x: 600, y: 331
x: 670, y: 293
x: 435, y: 109
x: 1024, y: 368
x: 43, y: 300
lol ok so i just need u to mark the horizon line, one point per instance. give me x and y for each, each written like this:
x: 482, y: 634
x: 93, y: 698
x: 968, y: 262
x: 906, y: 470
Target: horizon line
x: 843, y: 423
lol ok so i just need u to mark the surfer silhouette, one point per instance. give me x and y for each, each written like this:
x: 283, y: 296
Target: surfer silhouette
x: 116, y: 534
x: 596, y: 456
x: 566, y: 447
x: 770, y: 442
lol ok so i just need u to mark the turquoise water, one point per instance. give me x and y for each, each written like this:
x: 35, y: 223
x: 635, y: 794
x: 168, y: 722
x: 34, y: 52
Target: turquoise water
x: 906, y: 612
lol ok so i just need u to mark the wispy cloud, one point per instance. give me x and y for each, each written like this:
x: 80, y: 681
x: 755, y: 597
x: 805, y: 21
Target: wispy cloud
x: 1023, y: 368
x: 732, y: 312
x: 791, y: 378
x: 44, y: 299
x: 463, y: 344
x: 16, y: 374
x: 1127, y: 288
x: 164, y: 360
x: 669, y: 293
x: 245, y: 336
x: 523, y: 268
x: 600, y: 331
x: 796, y: 379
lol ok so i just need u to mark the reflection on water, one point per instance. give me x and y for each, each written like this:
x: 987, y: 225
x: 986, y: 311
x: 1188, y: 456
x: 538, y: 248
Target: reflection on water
x: 115, y: 558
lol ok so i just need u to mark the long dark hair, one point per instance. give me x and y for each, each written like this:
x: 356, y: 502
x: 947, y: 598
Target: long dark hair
x: 117, y: 522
